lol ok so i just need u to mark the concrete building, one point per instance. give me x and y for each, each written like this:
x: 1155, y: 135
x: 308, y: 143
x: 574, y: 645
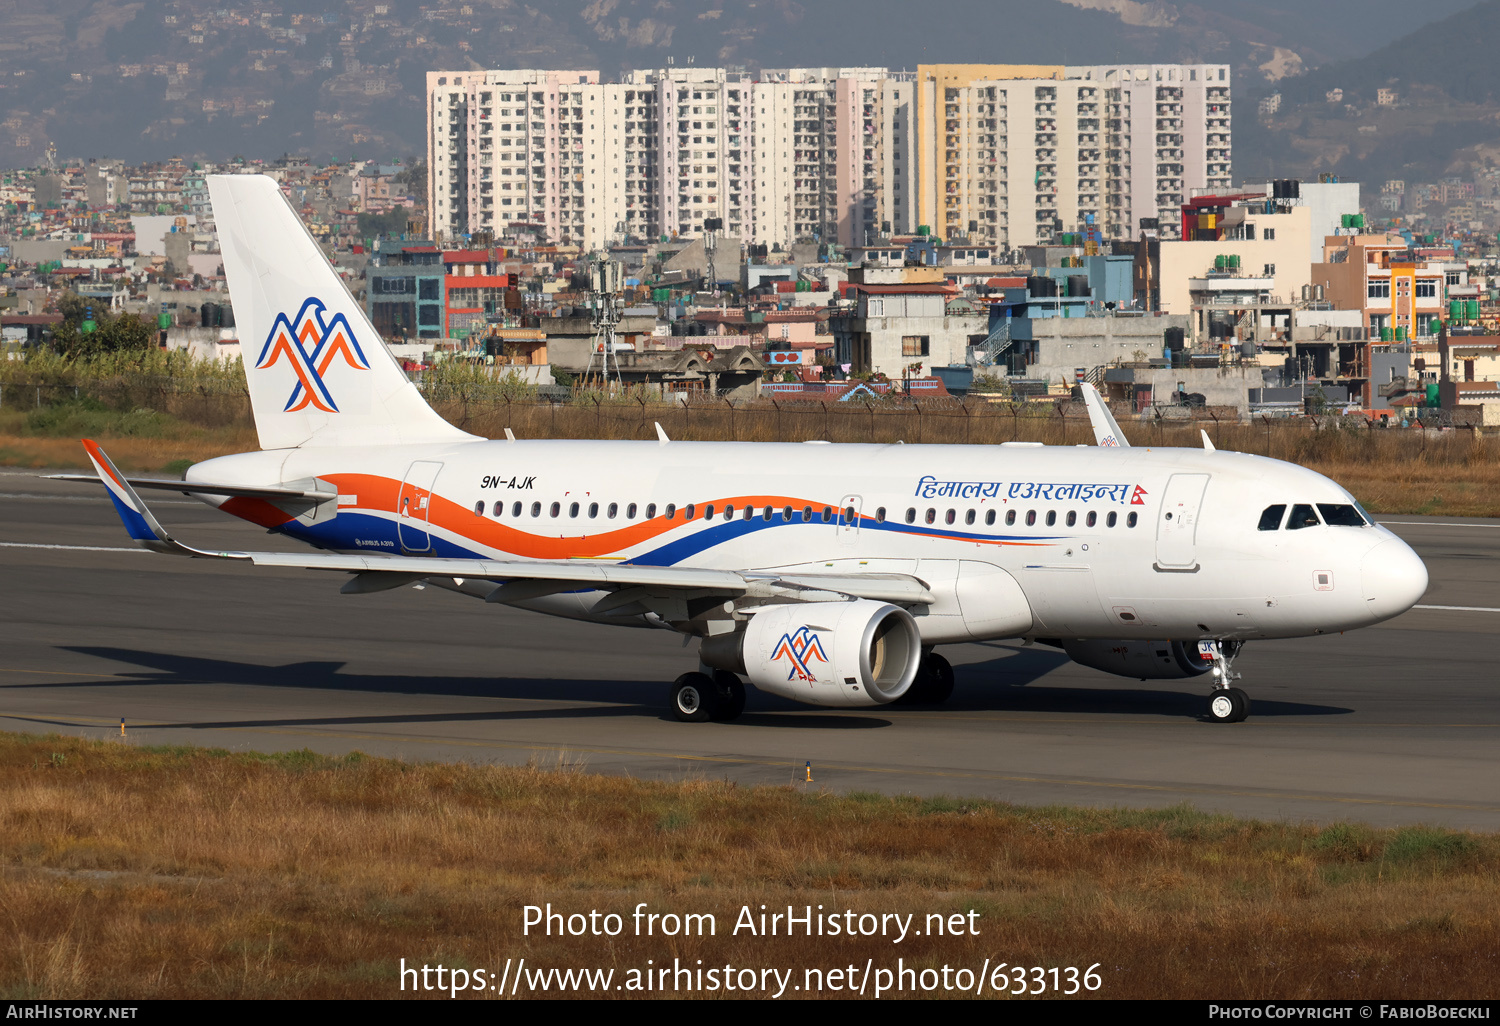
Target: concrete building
x: 904, y: 318
x: 836, y: 155
x: 1368, y: 273
x: 506, y: 147
x: 1012, y: 154
x: 667, y: 149
x: 1167, y: 132
x: 831, y: 153
x: 1270, y: 265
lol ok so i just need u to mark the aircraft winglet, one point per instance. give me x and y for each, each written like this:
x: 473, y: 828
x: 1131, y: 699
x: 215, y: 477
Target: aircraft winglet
x: 140, y: 522
x: 1106, y: 431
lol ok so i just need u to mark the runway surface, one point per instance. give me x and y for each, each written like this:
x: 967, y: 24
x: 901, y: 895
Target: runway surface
x: 1394, y: 724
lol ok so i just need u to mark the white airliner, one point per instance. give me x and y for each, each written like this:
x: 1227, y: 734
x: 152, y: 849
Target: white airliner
x: 823, y: 573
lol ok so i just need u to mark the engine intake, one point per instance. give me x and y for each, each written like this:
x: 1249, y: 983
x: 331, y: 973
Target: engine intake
x: 1144, y: 660
x: 857, y: 653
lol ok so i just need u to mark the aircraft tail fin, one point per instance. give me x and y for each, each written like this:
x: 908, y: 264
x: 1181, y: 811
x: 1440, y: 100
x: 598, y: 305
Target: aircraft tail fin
x: 318, y: 372
x: 1106, y: 431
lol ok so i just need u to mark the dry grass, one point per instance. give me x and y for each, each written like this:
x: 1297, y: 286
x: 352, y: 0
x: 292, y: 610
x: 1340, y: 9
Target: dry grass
x: 192, y: 873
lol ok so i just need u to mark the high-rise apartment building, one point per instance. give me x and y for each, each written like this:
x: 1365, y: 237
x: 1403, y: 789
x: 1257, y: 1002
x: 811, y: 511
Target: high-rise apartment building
x: 1001, y: 154
x: 1012, y: 154
x: 1167, y: 129
x: 830, y: 152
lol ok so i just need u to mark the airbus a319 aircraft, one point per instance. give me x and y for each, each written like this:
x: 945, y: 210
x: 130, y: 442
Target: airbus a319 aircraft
x: 824, y: 573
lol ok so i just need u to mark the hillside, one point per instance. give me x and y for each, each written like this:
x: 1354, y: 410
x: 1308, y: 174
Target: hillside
x: 1445, y: 114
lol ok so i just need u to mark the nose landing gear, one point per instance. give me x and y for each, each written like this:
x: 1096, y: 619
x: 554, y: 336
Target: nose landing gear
x: 1226, y: 704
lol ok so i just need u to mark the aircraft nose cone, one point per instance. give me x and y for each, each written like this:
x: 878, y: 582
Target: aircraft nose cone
x: 1393, y: 577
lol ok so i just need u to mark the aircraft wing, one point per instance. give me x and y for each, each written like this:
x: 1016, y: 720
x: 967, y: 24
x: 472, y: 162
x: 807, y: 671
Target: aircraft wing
x: 539, y: 577
x: 1106, y: 431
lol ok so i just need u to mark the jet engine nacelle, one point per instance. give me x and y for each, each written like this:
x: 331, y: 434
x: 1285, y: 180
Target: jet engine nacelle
x: 1144, y: 660
x: 857, y: 653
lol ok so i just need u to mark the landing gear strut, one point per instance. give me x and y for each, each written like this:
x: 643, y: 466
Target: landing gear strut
x: 1226, y: 704
x: 933, y: 684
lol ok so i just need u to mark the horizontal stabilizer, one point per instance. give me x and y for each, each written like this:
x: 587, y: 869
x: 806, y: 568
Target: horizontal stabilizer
x: 201, y: 488
x: 140, y: 522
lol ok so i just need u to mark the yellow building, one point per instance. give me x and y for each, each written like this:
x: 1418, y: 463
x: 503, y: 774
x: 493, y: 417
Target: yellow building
x: 933, y: 84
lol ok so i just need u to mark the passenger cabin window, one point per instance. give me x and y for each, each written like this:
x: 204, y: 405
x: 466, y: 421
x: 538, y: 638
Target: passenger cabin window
x: 1030, y: 517
x: 827, y: 514
x: 911, y: 516
x: 614, y: 510
x: 1051, y: 517
x: 1010, y: 518
x: 1270, y: 517
x: 556, y: 508
x: 515, y: 510
x: 1072, y: 518
x: 573, y: 509
x: 687, y: 511
x: 989, y: 518
x: 536, y: 509
x: 969, y: 517
x: 1093, y: 518
x: 931, y: 515
x: 1339, y: 514
x: 671, y: 510
x: 1111, y: 520
x: 593, y: 510
x: 952, y: 516
x: 479, y: 508
x: 880, y: 515
x: 1302, y: 516
x: 651, y: 511
x: 1130, y: 520
x: 708, y: 512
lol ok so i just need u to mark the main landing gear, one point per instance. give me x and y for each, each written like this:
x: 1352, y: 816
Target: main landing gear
x: 933, y: 684
x: 1226, y: 704
x: 698, y: 697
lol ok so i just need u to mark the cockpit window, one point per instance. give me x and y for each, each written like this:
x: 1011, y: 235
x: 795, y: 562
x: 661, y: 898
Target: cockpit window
x: 1270, y: 517
x: 1302, y: 516
x: 1342, y: 514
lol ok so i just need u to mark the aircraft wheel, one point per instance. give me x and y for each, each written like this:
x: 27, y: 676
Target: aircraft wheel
x: 933, y: 684
x: 731, y: 695
x: 694, y: 698
x: 939, y: 679
x: 1227, y: 705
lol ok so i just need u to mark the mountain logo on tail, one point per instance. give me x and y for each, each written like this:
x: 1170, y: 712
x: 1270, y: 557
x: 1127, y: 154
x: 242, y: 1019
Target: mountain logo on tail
x: 802, y: 648
x: 311, y: 345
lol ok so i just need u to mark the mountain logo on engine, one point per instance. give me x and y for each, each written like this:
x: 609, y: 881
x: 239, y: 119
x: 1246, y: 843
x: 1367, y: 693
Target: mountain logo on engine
x: 801, y: 648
